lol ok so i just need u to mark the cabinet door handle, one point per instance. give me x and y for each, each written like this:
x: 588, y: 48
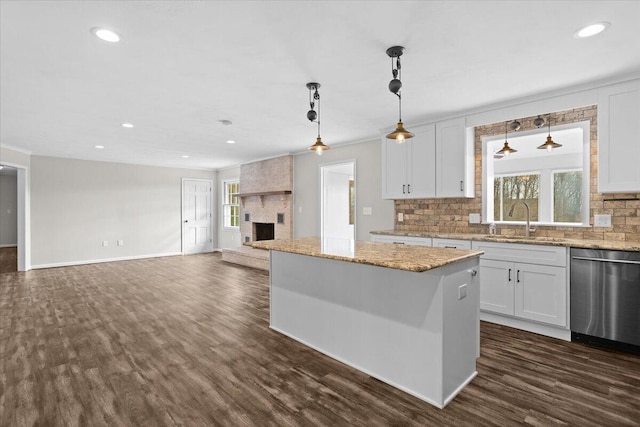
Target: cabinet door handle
x: 409, y: 188
x: 450, y: 247
x: 403, y: 189
x: 398, y: 243
x: 518, y: 276
x: 461, y: 185
x: 509, y: 274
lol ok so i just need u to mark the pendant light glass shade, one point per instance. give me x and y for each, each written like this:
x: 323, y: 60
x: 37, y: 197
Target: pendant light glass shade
x: 395, y: 86
x: 400, y: 134
x: 549, y: 144
x: 506, y: 150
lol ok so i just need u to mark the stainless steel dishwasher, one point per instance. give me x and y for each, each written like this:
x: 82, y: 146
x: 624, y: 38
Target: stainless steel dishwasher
x: 605, y: 295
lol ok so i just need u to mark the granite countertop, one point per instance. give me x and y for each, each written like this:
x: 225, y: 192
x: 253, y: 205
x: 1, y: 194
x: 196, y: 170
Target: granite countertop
x: 549, y: 241
x: 410, y: 258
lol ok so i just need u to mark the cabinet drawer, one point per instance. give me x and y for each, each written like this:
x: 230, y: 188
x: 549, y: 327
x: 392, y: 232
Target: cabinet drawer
x: 451, y: 243
x: 402, y: 240
x: 530, y: 254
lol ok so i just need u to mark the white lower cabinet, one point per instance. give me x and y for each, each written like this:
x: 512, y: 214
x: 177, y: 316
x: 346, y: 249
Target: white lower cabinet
x: 401, y: 240
x: 531, y: 291
x: 451, y: 243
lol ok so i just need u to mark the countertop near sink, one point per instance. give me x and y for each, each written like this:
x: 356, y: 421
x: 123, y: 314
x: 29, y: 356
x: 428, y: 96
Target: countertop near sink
x: 549, y: 241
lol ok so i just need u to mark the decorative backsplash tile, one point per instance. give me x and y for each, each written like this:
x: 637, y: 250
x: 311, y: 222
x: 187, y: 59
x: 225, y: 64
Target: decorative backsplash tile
x: 452, y: 215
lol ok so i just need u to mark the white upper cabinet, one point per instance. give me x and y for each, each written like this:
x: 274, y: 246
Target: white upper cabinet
x: 408, y: 169
x: 619, y: 138
x: 454, y: 159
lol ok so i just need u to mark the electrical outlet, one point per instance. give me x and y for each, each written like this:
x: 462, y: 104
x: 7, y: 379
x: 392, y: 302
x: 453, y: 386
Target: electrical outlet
x: 474, y: 218
x: 120, y: 243
x: 105, y: 243
x: 602, y: 220
x: 462, y: 291
x: 400, y: 217
x: 367, y: 211
x: 299, y: 209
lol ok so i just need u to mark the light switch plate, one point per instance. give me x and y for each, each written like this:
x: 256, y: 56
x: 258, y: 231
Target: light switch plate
x: 602, y: 220
x: 400, y: 217
x: 367, y: 211
x: 474, y: 218
x: 462, y: 291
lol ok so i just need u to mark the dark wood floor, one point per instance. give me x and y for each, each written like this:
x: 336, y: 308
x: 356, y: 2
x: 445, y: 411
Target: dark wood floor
x: 185, y: 341
x: 8, y: 260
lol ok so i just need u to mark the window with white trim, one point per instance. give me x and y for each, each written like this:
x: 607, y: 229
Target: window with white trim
x: 555, y: 185
x: 230, y: 205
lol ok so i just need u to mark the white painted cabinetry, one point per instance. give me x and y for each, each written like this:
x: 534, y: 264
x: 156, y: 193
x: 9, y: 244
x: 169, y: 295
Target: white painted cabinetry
x: 451, y: 243
x: 454, y: 159
x: 408, y: 169
x: 437, y: 162
x: 525, y: 281
x: 402, y: 240
x: 619, y: 138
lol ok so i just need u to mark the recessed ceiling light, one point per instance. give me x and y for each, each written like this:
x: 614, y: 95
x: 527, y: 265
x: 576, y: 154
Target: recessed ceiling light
x: 185, y: 156
x: 591, y: 30
x: 230, y: 141
x: 126, y: 125
x: 99, y: 147
x: 106, y: 35
x: 226, y: 122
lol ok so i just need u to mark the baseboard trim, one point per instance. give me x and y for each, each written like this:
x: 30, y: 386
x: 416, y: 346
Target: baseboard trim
x: 537, y: 328
x: 98, y: 261
x: 9, y: 245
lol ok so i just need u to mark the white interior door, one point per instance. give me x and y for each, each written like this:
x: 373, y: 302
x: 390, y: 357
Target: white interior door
x: 338, y: 208
x: 197, y: 218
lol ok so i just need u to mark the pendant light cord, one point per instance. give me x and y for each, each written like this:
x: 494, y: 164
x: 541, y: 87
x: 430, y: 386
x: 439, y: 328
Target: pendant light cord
x: 317, y: 97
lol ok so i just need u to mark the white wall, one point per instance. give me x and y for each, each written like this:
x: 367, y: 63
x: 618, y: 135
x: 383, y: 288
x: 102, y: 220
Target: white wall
x: 226, y: 237
x: 77, y: 204
x: 8, y: 210
x: 306, y: 189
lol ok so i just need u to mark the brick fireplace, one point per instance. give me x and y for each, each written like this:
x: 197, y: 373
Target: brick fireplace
x: 266, y: 197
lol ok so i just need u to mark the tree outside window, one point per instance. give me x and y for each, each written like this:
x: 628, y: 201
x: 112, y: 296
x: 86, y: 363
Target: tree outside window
x: 567, y: 196
x: 230, y: 206
x: 510, y: 189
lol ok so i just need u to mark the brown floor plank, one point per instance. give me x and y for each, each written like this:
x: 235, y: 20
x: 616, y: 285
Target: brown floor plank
x: 185, y: 341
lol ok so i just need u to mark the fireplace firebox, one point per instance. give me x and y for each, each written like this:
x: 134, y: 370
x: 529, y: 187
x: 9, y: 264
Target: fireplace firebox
x: 263, y: 231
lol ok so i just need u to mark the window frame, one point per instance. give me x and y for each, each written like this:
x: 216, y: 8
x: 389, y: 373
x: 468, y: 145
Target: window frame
x: 545, y: 212
x: 224, y: 204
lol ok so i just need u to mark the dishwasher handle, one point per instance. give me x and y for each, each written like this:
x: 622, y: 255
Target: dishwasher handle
x: 615, y: 261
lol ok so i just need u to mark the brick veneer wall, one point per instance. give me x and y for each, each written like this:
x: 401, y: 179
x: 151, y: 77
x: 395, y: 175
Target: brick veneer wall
x: 267, y: 175
x: 452, y: 215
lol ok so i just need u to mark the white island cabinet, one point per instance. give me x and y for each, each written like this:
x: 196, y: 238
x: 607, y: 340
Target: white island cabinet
x: 406, y: 315
x: 619, y: 138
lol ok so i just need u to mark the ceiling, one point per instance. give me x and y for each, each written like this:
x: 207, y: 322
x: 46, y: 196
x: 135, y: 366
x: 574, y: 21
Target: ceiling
x: 182, y: 66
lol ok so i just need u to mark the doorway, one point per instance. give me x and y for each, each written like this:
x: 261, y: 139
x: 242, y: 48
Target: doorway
x: 8, y: 220
x: 197, y: 216
x: 338, y: 204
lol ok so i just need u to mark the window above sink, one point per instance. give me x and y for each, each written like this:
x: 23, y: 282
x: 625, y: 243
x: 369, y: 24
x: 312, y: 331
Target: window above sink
x: 554, y: 184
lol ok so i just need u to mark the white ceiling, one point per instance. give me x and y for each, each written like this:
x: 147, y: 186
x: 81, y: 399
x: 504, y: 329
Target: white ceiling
x: 181, y: 66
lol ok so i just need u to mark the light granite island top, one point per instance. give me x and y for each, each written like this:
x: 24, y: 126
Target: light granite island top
x: 406, y: 315
x: 410, y: 258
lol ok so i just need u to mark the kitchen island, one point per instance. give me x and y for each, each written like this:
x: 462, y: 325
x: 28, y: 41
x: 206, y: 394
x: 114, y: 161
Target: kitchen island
x: 408, y: 316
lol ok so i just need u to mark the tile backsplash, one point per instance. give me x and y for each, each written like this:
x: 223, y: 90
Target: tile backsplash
x: 452, y: 215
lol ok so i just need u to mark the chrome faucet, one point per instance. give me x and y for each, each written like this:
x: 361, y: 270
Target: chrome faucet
x: 527, y: 229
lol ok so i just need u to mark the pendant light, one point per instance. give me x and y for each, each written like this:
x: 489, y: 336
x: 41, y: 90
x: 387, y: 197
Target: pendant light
x: 312, y: 115
x: 400, y: 134
x: 506, y: 150
x: 549, y: 145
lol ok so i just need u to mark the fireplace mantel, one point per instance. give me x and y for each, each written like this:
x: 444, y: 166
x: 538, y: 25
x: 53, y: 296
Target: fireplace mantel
x: 266, y: 193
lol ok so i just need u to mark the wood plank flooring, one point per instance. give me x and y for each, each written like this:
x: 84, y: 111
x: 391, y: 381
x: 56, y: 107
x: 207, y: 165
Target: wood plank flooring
x: 8, y: 260
x: 185, y: 341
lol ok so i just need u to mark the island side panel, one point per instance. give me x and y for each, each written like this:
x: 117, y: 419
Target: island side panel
x: 384, y: 322
x: 461, y: 300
